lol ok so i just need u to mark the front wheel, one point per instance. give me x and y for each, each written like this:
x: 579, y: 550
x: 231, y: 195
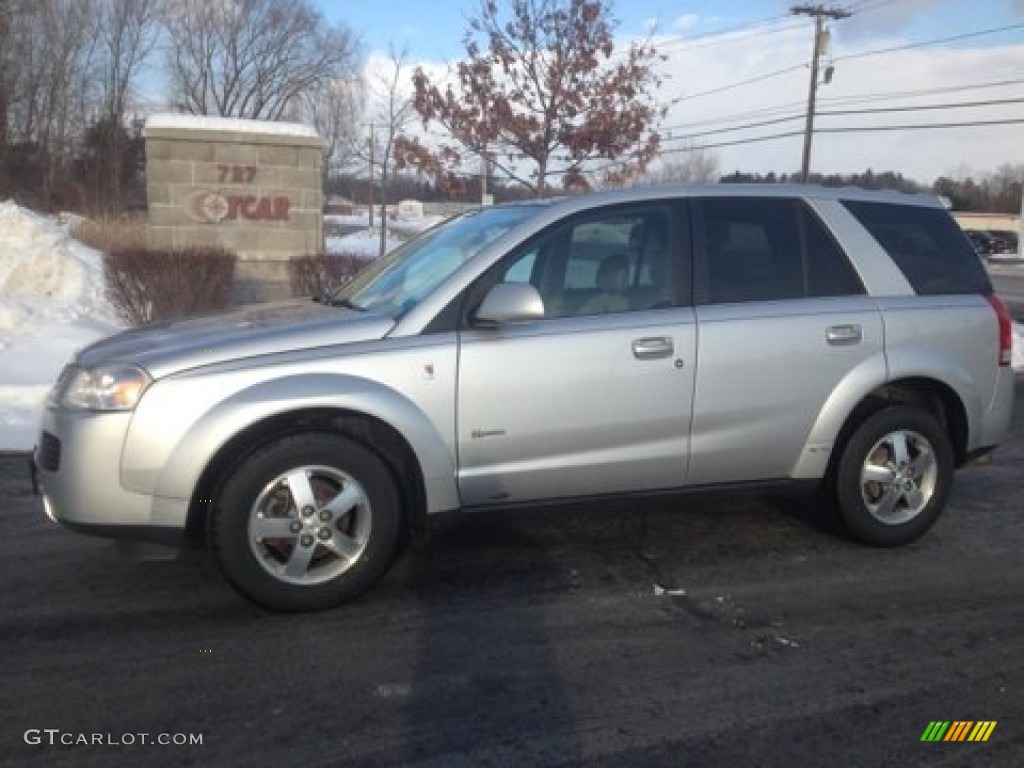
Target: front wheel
x: 307, y: 522
x: 894, y: 476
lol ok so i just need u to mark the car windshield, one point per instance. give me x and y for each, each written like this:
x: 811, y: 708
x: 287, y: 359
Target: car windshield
x: 402, y: 279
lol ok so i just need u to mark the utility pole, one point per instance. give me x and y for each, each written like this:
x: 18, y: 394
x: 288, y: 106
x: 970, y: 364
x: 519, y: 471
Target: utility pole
x: 1020, y: 222
x: 483, y: 177
x: 370, y: 187
x: 484, y: 165
x: 820, y: 13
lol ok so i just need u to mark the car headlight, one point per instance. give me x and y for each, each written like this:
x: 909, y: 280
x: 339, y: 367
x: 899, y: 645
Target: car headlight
x: 116, y: 387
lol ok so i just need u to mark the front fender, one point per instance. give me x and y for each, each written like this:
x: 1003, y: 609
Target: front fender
x: 166, y: 450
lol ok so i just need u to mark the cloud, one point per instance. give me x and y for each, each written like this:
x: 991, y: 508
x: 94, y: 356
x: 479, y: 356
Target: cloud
x: 686, y: 22
x: 886, y: 20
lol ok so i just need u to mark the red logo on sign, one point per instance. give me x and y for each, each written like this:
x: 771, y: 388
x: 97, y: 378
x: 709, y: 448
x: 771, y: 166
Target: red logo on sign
x: 255, y: 208
x: 211, y: 208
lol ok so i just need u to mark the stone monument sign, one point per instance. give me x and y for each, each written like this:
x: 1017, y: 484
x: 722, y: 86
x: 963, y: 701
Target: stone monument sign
x: 250, y: 186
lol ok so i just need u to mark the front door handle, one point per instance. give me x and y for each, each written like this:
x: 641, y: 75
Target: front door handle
x: 843, y: 335
x: 653, y: 348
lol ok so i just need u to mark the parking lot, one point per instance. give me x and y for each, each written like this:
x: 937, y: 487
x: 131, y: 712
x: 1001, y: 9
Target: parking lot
x: 696, y: 630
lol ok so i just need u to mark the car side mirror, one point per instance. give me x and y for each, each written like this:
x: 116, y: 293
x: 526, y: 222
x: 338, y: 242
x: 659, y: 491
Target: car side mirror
x: 510, y: 303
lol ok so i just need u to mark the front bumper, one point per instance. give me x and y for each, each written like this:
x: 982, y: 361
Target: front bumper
x: 77, y: 465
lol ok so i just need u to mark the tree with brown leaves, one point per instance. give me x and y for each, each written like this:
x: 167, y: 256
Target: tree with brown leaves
x: 540, y: 96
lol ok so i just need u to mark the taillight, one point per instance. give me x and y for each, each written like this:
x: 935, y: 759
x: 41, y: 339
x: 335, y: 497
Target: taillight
x: 1005, y: 330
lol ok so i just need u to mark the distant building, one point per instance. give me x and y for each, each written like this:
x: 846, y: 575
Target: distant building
x: 986, y: 221
x: 410, y: 210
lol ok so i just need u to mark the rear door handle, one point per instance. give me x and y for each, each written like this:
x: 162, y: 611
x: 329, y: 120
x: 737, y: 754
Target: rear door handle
x: 843, y: 335
x: 653, y: 348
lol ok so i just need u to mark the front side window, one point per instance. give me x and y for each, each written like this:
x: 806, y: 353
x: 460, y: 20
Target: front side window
x: 770, y: 249
x: 612, y: 261
x: 402, y: 279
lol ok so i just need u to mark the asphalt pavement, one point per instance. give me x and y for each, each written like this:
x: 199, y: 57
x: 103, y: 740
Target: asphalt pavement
x: 703, y: 630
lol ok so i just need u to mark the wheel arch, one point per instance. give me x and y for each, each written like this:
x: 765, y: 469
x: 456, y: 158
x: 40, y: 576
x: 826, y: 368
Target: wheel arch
x: 375, y: 434
x: 936, y: 397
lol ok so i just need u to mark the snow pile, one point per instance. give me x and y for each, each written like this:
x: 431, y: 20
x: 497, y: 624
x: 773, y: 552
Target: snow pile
x: 51, y: 303
x: 364, y: 244
x: 363, y: 241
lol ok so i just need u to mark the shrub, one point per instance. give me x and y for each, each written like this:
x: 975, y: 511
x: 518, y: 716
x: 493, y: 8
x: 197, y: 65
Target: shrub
x: 146, y: 285
x: 323, y: 274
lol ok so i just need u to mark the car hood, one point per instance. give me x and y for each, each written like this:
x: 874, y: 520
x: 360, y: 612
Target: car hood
x: 263, y: 329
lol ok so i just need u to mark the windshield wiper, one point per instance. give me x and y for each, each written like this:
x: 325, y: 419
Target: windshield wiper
x: 346, y: 303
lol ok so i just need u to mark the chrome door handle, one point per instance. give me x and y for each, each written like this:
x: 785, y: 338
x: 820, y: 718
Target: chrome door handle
x: 653, y: 348
x: 843, y: 335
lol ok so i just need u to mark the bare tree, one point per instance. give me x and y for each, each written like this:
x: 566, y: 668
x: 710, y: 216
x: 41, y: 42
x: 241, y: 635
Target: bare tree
x: 335, y: 109
x: 5, y: 89
x: 540, y: 95
x: 392, y: 113
x: 251, y: 58
x: 127, y: 30
x: 48, y: 53
x: 693, y: 164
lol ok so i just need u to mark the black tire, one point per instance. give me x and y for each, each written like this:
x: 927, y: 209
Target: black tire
x: 258, y: 567
x: 906, y: 521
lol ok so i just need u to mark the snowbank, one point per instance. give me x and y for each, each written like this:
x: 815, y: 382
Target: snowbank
x: 51, y: 303
x: 364, y: 244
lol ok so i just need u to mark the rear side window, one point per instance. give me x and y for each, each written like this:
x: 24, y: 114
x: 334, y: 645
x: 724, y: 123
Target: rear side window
x: 768, y: 249
x: 926, y: 244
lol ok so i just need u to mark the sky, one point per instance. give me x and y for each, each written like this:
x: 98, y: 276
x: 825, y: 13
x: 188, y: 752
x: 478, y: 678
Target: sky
x: 714, y: 45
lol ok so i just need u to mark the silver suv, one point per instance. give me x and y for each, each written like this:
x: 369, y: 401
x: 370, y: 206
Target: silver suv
x: 628, y: 342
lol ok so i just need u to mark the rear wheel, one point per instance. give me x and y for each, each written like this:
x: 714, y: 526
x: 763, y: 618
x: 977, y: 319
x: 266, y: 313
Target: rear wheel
x: 307, y: 523
x: 894, y: 477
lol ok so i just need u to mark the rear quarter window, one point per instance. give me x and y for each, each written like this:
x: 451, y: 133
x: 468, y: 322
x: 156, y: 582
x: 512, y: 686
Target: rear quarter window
x: 926, y: 244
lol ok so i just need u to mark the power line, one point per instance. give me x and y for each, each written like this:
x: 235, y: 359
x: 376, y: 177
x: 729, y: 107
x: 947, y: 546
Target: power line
x: 922, y: 126
x: 846, y: 129
x: 763, y: 112
x: 865, y: 7
x: 744, y: 127
x: 831, y: 113
x: 741, y: 32
x: 921, y: 107
x: 736, y: 142
x: 726, y: 37
x: 739, y: 84
x: 716, y: 37
x: 839, y: 100
x: 924, y: 43
x: 888, y: 95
